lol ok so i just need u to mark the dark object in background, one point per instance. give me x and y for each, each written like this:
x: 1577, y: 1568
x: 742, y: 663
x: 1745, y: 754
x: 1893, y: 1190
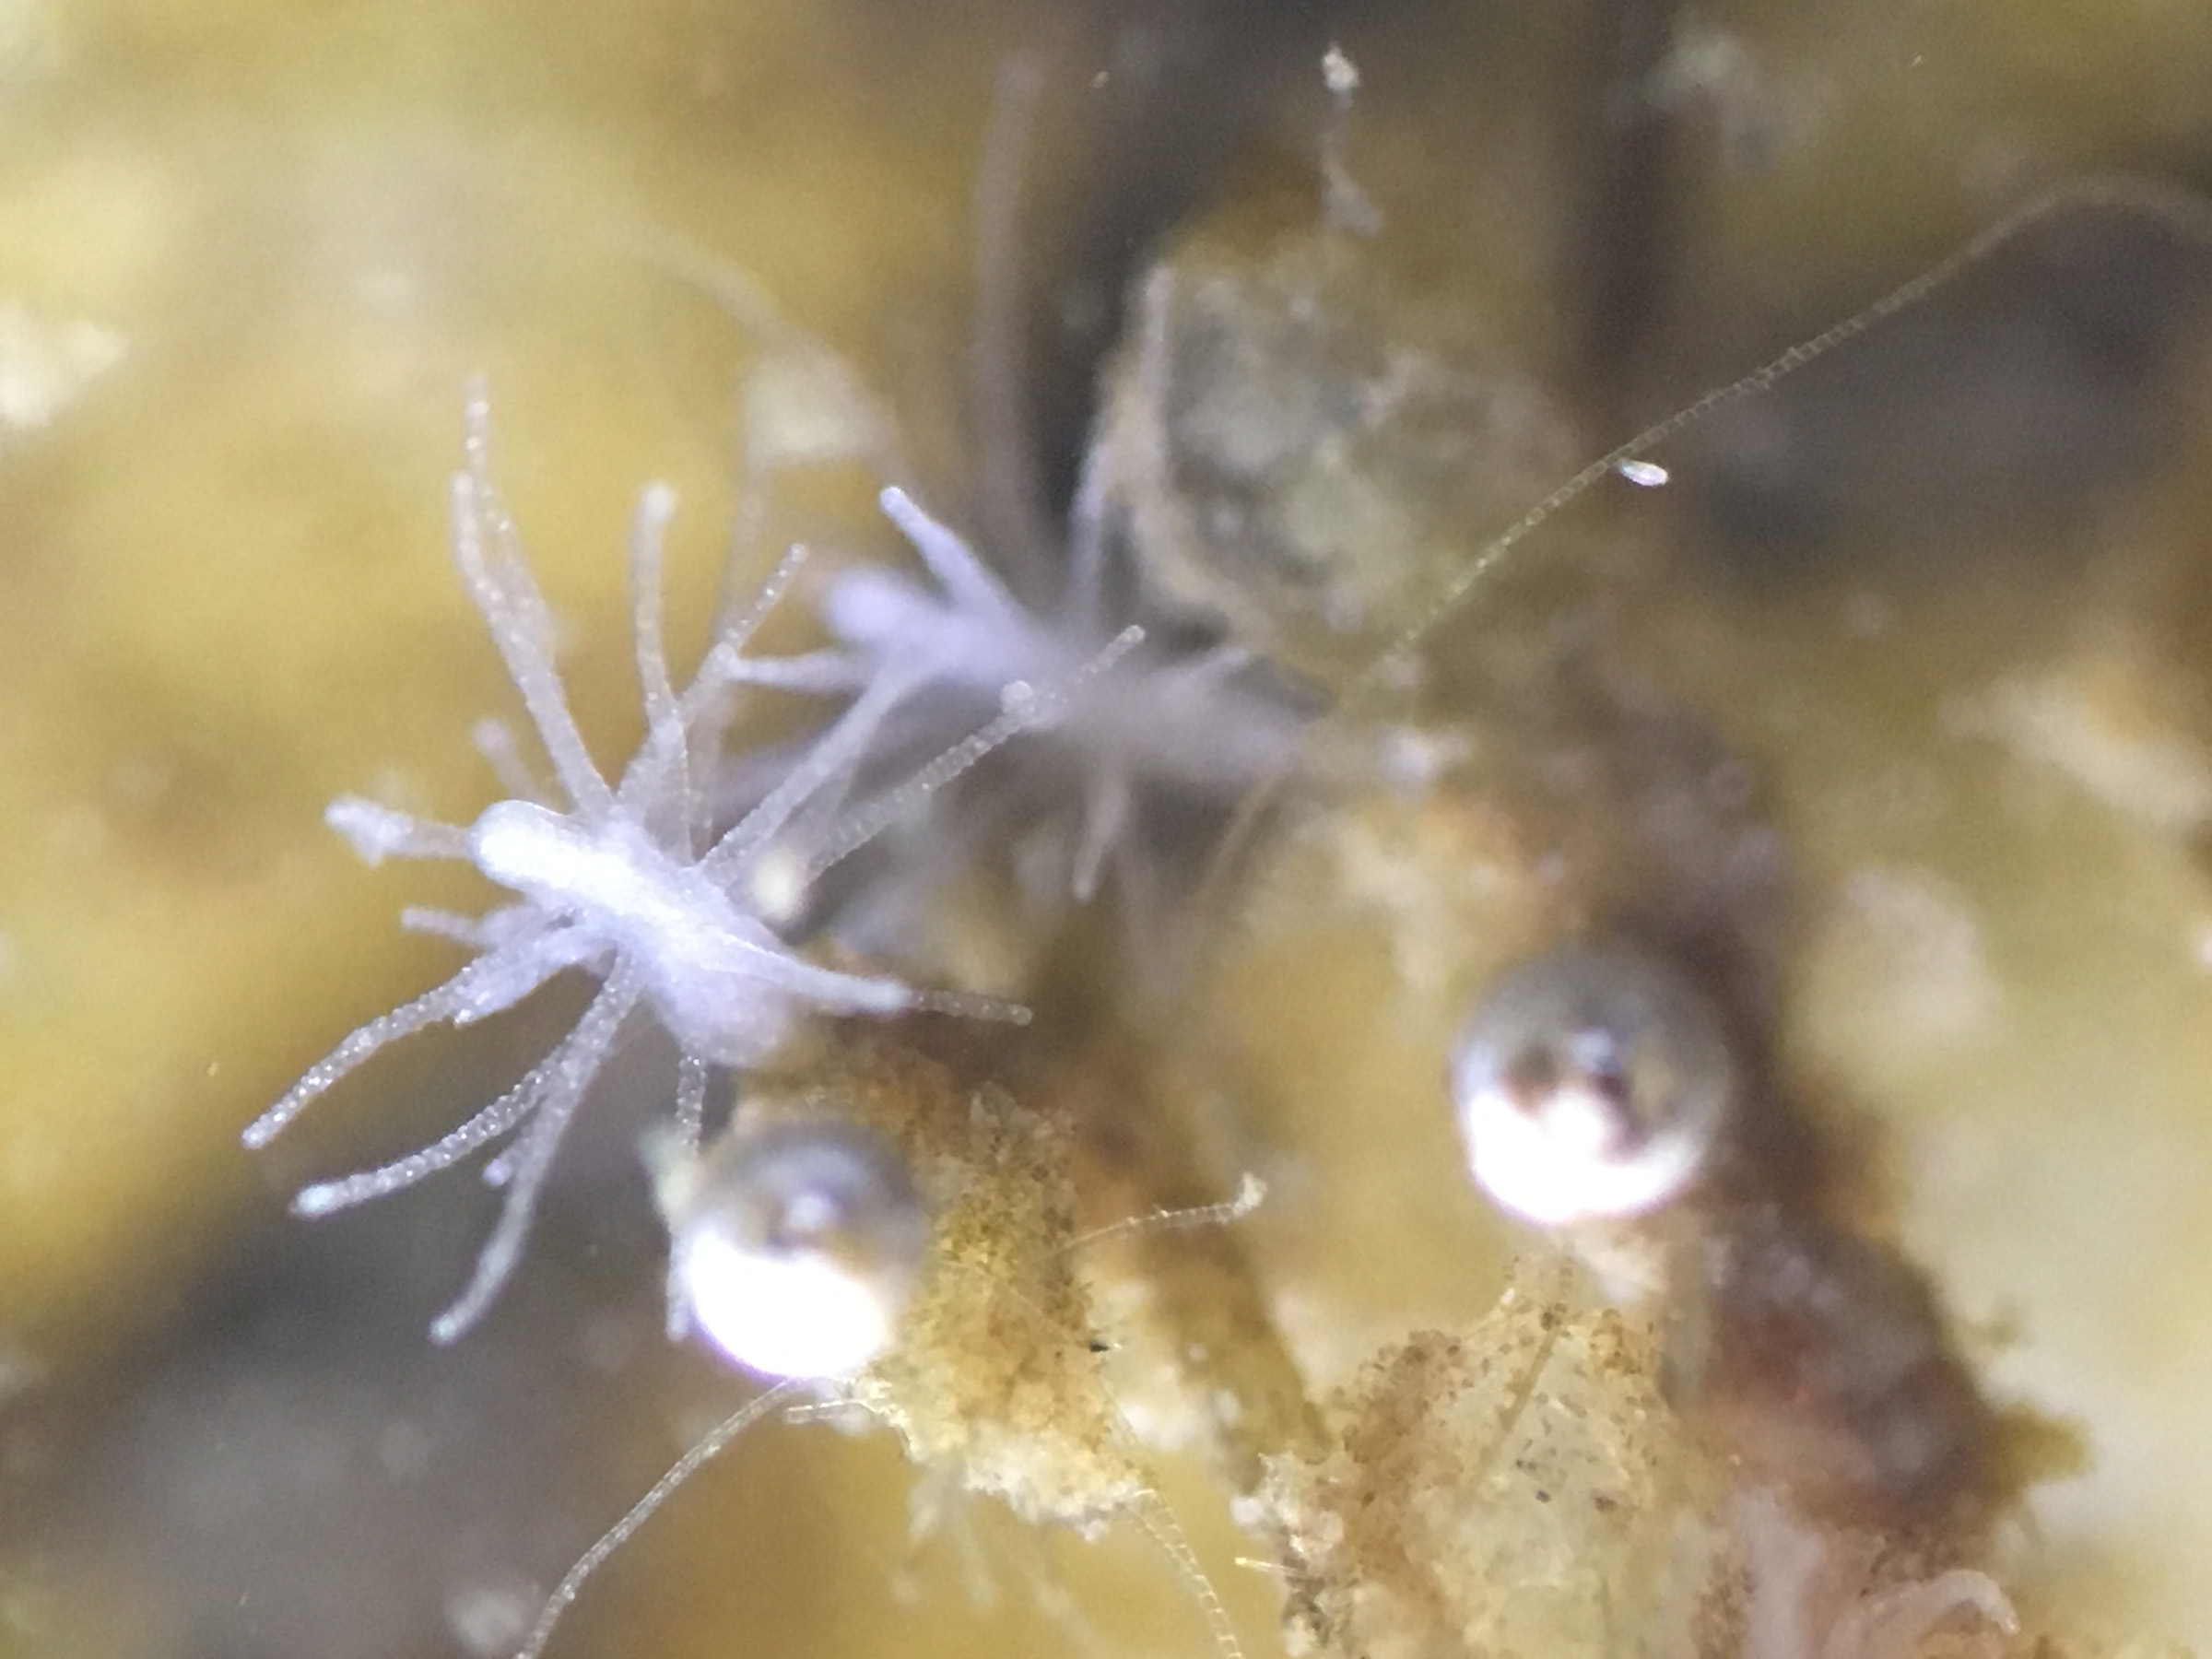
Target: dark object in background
x: 2009, y: 405
x: 1819, y: 1361
x: 1620, y: 245
x: 302, y: 1474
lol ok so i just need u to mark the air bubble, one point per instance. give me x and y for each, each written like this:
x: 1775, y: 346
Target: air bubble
x: 794, y: 1244
x: 1591, y: 1085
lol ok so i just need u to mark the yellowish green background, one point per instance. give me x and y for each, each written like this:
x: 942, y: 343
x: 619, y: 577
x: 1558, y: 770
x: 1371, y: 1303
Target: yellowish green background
x: 249, y: 256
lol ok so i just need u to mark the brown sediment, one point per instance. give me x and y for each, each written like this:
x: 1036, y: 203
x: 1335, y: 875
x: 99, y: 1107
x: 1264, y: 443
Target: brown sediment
x: 996, y: 1376
x: 1517, y: 1487
x: 1827, y: 1370
x: 1196, y: 1286
x: 1197, y: 1353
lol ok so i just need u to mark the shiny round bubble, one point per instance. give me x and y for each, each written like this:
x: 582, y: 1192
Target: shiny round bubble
x: 794, y: 1245
x: 1591, y: 1085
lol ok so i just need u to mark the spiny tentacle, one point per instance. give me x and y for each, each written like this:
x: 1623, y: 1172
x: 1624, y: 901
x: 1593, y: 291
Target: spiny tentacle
x: 1033, y: 707
x: 967, y: 583
x: 1087, y: 522
x: 829, y: 754
x: 648, y: 540
x: 1108, y: 801
x: 657, y: 783
x: 818, y: 671
x: 1009, y: 494
x: 2186, y: 214
x: 487, y: 931
x: 378, y: 833
x: 586, y: 1051
x: 486, y: 551
x: 736, y: 631
x: 703, y: 1451
x: 453, y: 926
x: 327, y: 1196
x: 1152, y: 1513
x: 462, y: 995
x: 970, y: 1005
x: 690, y: 1101
x: 495, y: 741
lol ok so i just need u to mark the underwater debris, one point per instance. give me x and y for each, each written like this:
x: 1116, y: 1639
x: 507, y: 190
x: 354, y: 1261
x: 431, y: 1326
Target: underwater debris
x: 1299, y: 448
x: 1840, y: 1469
x: 1832, y: 1394
x: 1815, y: 1592
x: 1528, y: 1488
x: 1519, y: 1488
x: 1810, y: 1367
x: 795, y: 1244
x: 1821, y: 1361
x: 990, y: 1369
x: 633, y: 881
x: 1006, y: 1435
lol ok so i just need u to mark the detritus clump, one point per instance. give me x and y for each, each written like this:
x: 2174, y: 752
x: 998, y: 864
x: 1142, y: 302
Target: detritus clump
x: 1519, y: 1488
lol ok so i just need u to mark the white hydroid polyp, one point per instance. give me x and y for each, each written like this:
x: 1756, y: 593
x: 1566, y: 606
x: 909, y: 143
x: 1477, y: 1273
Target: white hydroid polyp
x: 635, y: 880
x: 1191, y: 723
